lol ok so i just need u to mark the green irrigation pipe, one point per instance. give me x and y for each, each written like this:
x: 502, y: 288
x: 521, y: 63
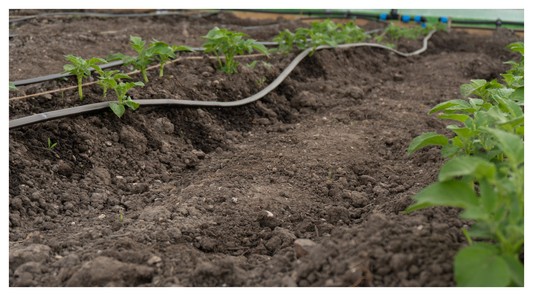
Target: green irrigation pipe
x: 38, y: 118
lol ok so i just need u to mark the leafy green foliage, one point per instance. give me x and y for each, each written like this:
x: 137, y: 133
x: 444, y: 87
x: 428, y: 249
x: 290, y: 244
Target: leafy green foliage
x: 81, y: 68
x: 485, y: 177
x: 286, y: 40
x: 102, y: 79
x: 230, y: 43
x: 12, y: 86
x: 141, y: 62
x: 165, y: 52
x: 121, y: 89
x: 320, y: 33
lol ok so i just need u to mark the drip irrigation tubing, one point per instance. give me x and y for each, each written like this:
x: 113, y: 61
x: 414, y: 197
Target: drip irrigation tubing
x: 113, y: 14
x: 38, y: 118
x: 118, y: 63
x: 346, y: 14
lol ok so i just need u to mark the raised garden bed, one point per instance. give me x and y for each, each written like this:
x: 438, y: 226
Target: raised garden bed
x: 178, y: 196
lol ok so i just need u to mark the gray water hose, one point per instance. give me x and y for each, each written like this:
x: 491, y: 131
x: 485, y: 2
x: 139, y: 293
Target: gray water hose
x: 33, y: 119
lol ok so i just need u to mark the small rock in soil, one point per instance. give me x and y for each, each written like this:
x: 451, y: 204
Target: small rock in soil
x: 303, y: 246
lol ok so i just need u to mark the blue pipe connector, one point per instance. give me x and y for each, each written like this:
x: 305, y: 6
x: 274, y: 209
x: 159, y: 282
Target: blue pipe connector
x: 383, y: 16
x: 418, y: 19
x: 406, y: 18
x: 424, y: 25
x: 444, y: 19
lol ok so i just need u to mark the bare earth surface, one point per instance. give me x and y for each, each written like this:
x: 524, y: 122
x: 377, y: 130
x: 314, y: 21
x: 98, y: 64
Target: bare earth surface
x: 221, y: 197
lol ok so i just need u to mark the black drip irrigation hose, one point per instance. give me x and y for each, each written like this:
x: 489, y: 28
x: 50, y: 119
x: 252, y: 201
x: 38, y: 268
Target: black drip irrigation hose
x: 114, y: 14
x: 38, y: 118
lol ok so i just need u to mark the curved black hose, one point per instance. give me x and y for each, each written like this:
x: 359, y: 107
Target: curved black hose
x: 113, y: 14
x: 33, y: 119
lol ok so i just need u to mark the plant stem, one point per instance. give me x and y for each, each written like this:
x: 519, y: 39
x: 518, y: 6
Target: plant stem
x: 79, y: 88
x: 161, y: 69
x: 143, y: 70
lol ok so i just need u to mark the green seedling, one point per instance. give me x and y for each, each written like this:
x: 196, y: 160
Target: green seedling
x: 165, y: 52
x: 103, y: 76
x: 286, y: 40
x: 330, y: 172
x: 121, y: 89
x: 353, y: 34
x: 50, y: 146
x: 485, y: 177
x: 121, y: 217
x: 12, y: 86
x: 260, y: 82
x: 81, y: 68
x: 390, y: 45
x: 252, y: 64
x: 140, y: 62
x: 230, y: 43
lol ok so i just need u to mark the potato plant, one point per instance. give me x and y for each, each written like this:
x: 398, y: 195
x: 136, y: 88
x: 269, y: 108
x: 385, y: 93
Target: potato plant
x: 81, y: 68
x: 102, y: 79
x: 165, y: 52
x: 320, y: 33
x: 121, y: 89
x: 140, y: 62
x: 230, y: 43
x: 485, y: 177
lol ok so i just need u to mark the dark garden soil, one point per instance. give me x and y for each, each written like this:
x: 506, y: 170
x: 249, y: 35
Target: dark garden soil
x: 218, y: 197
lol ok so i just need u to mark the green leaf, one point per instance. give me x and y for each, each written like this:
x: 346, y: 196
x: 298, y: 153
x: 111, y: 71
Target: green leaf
x: 462, y: 132
x: 479, y: 265
x: 481, y: 230
x: 474, y: 214
x: 518, y: 95
x: 449, y: 150
x: 516, y: 269
x: 12, y: 86
x: 488, y: 196
x: 261, y: 48
x: 121, y: 75
x: 461, y: 166
x: 512, y: 145
x: 68, y: 67
x: 96, y: 60
x: 133, y: 105
x: 181, y: 48
x: 252, y: 64
x: 115, y: 57
x: 449, y: 193
x: 517, y: 46
x: 467, y: 89
x: 426, y: 140
x: 117, y: 109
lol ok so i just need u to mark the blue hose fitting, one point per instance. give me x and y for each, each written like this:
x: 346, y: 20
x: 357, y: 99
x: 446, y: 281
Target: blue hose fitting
x: 406, y: 18
x: 424, y: 25
x: 444, y: 19
x: 418, y: 19
x: 383, y: 16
